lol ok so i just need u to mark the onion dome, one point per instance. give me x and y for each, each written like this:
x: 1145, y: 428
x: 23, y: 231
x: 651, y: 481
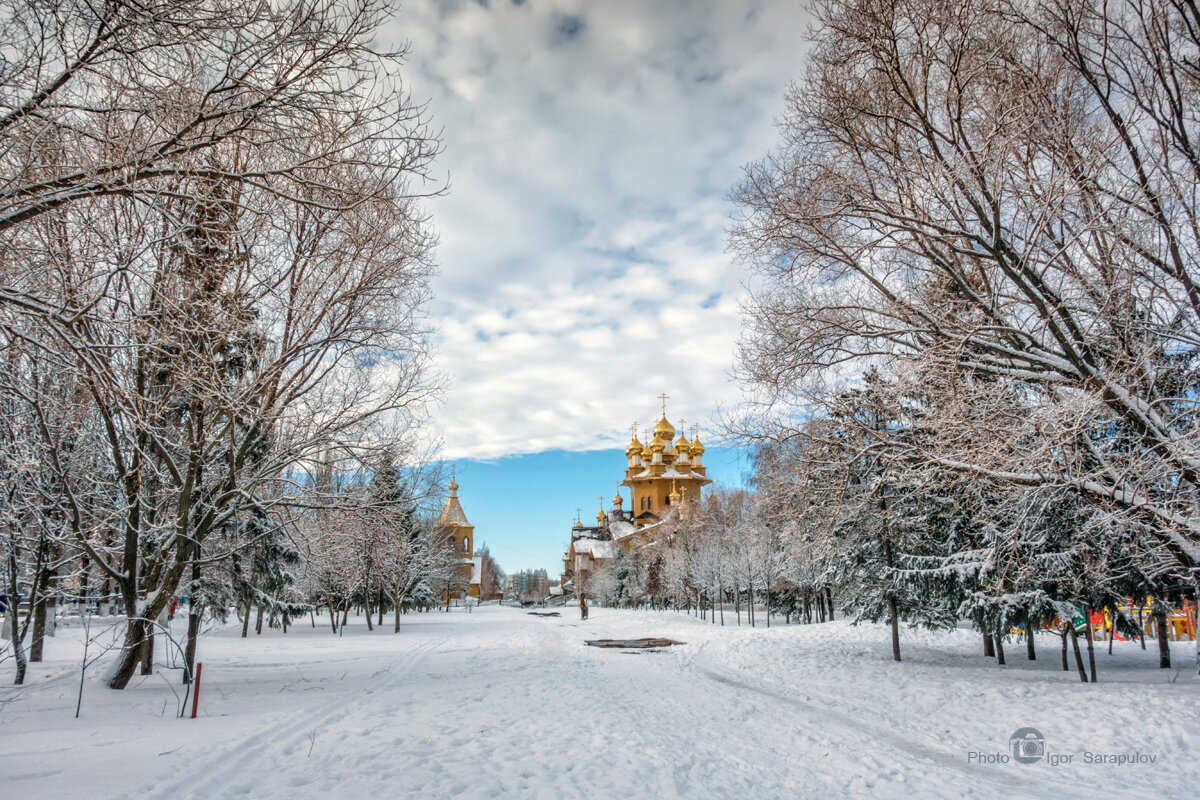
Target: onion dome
x: 600, y: 517
x: 657, y: 444
x: 697, y: 445
x: 616, y: 501
x: 674, y: 497
x: 682, y: 445
x: 634, y: 446
x: 664, y: 430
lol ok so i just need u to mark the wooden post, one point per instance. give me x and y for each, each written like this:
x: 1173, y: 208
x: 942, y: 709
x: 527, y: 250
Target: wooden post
x: 196, y: 690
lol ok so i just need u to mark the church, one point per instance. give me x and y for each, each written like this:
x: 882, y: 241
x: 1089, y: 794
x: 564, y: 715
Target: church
x: 453, y: 525
x: 660, y: 474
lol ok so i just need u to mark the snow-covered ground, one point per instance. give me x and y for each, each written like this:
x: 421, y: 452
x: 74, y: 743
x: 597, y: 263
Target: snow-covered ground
x: 502, y: 704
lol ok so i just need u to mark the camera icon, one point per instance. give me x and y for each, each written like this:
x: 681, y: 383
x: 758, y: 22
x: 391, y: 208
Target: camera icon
x: 1028, y: 746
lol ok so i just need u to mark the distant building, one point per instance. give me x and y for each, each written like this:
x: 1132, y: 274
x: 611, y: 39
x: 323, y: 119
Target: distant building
x: 529, y: 586
x: 454, y: 525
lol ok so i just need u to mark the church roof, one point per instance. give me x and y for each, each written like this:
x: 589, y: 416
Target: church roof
x: 452, y: 512
x: 598, y: 549
x: 621, y: 529
x: 671, y: 473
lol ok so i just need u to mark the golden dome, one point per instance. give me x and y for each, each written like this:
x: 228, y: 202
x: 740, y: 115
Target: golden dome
x: 616, y: 501
x: 634, y: 447
x: 697, y: 445
x: 600, y: 517
x: 682, y: 445
x: 675, y: 497
x: 658, y: 444
x: 664, y: 430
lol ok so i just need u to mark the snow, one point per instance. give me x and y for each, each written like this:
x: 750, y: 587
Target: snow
x: 598, y: 548
x: 499, y: 703
x: 620, y: 529
x: 671, y: 472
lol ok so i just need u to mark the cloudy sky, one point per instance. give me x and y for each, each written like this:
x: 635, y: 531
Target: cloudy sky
x: 590, y: 149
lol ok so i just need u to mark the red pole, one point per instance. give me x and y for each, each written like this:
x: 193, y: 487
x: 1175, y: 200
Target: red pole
x: 196, y: 690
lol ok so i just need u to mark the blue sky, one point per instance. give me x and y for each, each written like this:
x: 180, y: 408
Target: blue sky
x: 590, y: 147
x: 522, y: 506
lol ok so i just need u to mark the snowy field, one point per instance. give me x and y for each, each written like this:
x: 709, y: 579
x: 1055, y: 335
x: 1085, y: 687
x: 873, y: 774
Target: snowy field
x: 501, y: 704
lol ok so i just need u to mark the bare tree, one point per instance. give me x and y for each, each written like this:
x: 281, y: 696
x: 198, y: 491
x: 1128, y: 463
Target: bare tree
x: 208, y: 215
x: 994, y: 202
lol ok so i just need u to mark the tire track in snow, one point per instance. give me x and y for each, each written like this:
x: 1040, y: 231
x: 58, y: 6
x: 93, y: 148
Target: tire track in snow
x: 230, y: 764
x: 872, y: 735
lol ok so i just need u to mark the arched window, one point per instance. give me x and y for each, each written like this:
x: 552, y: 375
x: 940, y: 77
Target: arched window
x: 649, y: 503
x: 467, y: 545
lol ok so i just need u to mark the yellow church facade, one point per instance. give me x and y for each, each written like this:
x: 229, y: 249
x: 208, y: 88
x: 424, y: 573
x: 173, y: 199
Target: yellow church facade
x: 661, y: 473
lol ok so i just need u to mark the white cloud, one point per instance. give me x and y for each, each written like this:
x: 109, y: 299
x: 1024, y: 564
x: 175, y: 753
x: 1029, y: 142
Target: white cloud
x: 590, y: 148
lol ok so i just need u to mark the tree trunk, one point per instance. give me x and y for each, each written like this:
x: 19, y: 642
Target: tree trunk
x: 1091, y: 645
x: 332, y: 618
x: 988, y: 649
x: 258, y: 622
x: 1160, y: 626
x: 1078, y: 656
x: 1064, y: 651
x: 39, y: 628
x: 195, y: 616
x: 829, y: 599
x: 895, y: 627
x: 131, y: 652
x: 999, y: 649
x: 12, y: 622
x: 397, y: 627
x: 768, y: 593
x: 1030, y: 652
x: 44, y: 603
x: 148, y: 651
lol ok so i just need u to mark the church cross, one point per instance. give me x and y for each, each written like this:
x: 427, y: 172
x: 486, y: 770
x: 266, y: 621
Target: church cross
x: 664, y: 397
